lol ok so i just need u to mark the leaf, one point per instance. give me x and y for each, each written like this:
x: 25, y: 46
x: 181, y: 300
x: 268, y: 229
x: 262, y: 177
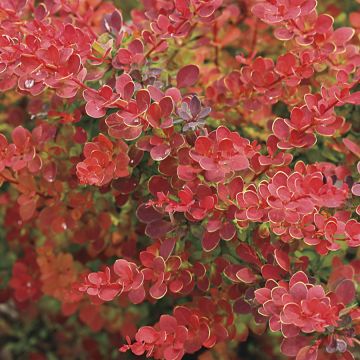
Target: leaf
x: 187, y: 76
x: 167, y: 323
x: 351, y: 146
x: 94, y: 110
x: 124, y: 56
x: 27, y: 209
x: 158, y: 229
x: 154, y: 115
x: 345, y: 292
x: 124, y: 185
x: 157, y: 184
x: 246, y: 275
x: 167, y: 247
x: 147, y: 214
x: 291, y: 346
x: 269, y: 271
x: 353, y: 98
x: 342, y: 35
x: 137, y: 296
x: 241, y: 307
x: 210, y: 241
x: 109, y: 292
x: 195, y: 106
x: 158, y: 291
x: 19, y: 136
x: 248, y: 254
x: 282, y: 259
x: 147, y: 334
x: 167, y: 106
x: 323, y: 23
x: 230, y: 36
x: 116, y: 21
x: 160, y: 152
x: 307, y: 353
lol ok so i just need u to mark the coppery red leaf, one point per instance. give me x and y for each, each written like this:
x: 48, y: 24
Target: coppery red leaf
x: 187, y: 76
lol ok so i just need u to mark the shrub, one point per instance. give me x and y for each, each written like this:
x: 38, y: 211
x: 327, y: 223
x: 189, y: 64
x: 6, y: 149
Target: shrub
x: 185, y: 181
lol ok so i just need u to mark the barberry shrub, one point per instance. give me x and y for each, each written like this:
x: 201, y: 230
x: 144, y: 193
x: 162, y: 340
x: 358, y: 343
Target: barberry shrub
x: 180, y: 177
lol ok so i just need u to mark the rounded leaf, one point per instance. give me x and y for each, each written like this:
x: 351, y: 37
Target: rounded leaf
x: 187, y: 76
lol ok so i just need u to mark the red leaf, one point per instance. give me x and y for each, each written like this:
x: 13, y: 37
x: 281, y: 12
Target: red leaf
x: 246, y: 275
x: 282, y: 259
x: 125, y: 185
x: 160, y: 152
x: 167, y: 323
x: 248, y: 254
x: 280, y: 129
x: 269, y: 271
x: 307, y: 353
x: 210, y: 241
x: 353, y: 98
x: 147, y: 214
x: 143, y: 100
x: 351, y: 146
x: 342, y: 35
x: 154, y: 115
x: 20, y: 136
x: 166, y: 105
x: 241, y: 307
x: 157, y: 184
x: 27, y: 209
x: 158, y: 229
x: 109, y: 292
x: 187, y: 76
x: 228, y: 231
x: 291, y: 346
x: 146, y: 334
x: 167, y: 247
x: 157, y: 292
x: 345, y: 292
x: 137, y: 296
x: 124, y: 56
x: 116, y: 20
x: 323, y: 23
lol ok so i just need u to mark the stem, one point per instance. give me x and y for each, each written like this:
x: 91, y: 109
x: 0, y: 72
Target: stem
x: 215, y: 30
x: 77, y: 81
x: 254, y: 40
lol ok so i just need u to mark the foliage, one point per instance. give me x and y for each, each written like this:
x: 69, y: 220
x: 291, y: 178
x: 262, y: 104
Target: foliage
x: 181, y: 180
